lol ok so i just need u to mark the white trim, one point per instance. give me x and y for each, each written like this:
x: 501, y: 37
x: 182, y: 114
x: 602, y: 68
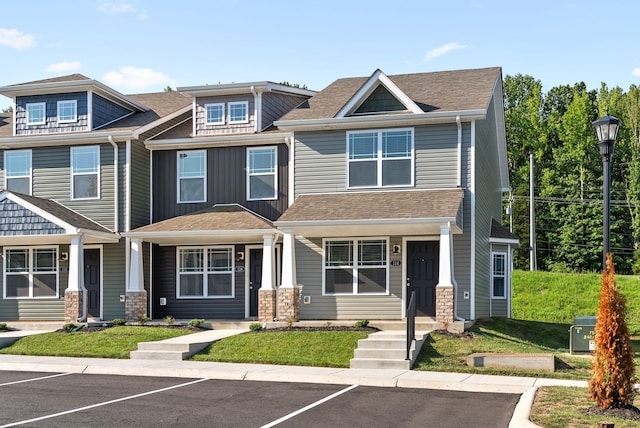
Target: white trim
x: 243, y: 88
x: 30, y: 272
x: 90, y: 110
x: 504, y: 276
x: 194, y: 111
x: 203, y: 177
x: 292, y: 169
x: 205, y: 273
x: 356, y: 265
x: 472, y: 214
x: 97, y: 173
x: 75, y: 111
x: 226, y: 140
x: 274, y: 173
x: 205, y: 108
x: 127, y: 188
x: 235, y: 103
x: 44, y: 113
x: 30, y: 176
x: 380, y: 159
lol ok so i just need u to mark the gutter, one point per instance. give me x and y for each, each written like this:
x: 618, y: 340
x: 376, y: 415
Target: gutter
x: 459, y: 177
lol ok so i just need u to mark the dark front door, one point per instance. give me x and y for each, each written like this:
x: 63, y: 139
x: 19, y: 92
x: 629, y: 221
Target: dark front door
x: 255, y: 279
x: 422, y: 275
x: 92, y: 281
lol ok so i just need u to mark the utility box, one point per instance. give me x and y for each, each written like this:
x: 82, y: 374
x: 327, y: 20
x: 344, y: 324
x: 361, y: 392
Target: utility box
x: 582, y: 337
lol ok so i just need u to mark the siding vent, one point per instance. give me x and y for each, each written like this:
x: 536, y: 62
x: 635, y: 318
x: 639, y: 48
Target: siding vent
x: 163, y: 301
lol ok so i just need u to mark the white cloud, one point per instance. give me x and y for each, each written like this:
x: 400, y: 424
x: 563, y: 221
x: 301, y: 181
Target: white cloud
x: 64, y: 67
x: 444, y: 49
x: 636, y: 71
x: 16, y: 39
x: 137, y: 78
x: 119, y: 8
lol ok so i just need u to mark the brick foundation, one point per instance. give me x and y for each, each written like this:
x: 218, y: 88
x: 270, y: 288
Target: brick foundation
x: 289, y: 304
x: 266, y: 305
x: 135, y: 305
x: 444, y: 304
x: 72, y: 306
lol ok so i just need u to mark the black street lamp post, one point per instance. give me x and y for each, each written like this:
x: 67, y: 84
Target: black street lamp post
x: 607, y: 129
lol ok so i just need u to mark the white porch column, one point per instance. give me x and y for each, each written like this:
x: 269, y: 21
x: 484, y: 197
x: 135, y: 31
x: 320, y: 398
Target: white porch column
x: 76, y: 264
x: 446, y: 277
x: 268, y: 263
x: 288, y: 259
x: 136, y: 274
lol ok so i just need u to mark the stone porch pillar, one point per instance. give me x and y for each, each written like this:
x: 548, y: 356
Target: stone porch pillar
x: 289, y: 292
x: 267, y: 293
x: 136, y: 296
x: 445, y: 290
x: 75, y: 296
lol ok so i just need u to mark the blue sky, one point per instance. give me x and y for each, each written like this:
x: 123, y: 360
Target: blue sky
x: 144, y: 45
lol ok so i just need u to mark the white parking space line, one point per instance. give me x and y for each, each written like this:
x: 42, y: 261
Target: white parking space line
x: 80, y: 409
x: 310, y: 406
x: 34, y: 379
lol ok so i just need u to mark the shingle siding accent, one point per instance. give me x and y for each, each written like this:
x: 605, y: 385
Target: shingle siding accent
x: 16, y: 220
x: 234, y: 128
x: 51, y: 112
x: 105, y: 111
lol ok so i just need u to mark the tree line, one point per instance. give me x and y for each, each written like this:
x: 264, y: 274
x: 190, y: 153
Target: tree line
x: 556, y: 127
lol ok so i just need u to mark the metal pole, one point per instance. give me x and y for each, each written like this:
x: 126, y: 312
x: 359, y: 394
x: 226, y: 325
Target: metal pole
x: 532, y: 225
x: 606, y: 167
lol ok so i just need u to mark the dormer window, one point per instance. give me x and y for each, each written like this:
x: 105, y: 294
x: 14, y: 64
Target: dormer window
x: 36, y: 113
x: 67, y: 111
x: 239, y: 112
x: 215, y: 113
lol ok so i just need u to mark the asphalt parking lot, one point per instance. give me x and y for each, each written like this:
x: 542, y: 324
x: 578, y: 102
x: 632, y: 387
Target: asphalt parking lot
x: 82, y: 400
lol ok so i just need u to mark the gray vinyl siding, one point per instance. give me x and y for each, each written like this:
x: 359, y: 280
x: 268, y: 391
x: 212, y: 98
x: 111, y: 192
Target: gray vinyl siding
x: 35, y: 309
x: 226, y: 183
x: 114, y: 280
x: 51, y: 124
x: 226, y: 128
x: 164, y: 274
x: 309, y: 276
x: 321, y: 160
x: 275, y: 105
x: 105, y: 111
x: 500, y: 307
x: 488, y: 204
x: 140, y: 186
x: 51, y: 178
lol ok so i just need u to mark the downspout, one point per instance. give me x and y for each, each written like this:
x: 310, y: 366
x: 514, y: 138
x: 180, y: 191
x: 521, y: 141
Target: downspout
x: 459, y: 177
x: 116, y: 208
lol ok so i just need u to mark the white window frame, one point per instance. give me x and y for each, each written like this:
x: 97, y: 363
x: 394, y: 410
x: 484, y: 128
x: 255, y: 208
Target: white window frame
x: 30, y: 271
x: 7, y: 177
x: 495, y: 275
x: 355, y: 266
x: 75, y: 111
x: 273, y: 173
x: 74, y: 174
x: 205, y: 272
x: 379, y: 159
x: 246, y: 108
x: 179, y: 178
x: 44, y: 113
x: 206, y: 113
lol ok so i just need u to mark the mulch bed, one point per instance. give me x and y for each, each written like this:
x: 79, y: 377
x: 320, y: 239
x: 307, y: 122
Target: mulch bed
x: 87, y: 329
x: 320, y: 328
x: 628, y: 412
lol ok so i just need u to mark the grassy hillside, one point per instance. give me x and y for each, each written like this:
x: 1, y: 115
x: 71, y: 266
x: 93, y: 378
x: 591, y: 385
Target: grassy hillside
x: 559, y: 297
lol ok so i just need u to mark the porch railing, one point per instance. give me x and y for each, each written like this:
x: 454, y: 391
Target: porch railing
x: 411, y: 322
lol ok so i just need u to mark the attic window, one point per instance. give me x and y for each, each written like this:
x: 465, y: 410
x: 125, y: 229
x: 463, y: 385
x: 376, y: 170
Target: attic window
x: 35, y: 113
x: 380, y: 101
x: 67, y: 111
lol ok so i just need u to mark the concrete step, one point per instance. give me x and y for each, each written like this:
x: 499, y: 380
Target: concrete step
x: 158, y: 355
x: 379, y: 353
x: 387, y: 349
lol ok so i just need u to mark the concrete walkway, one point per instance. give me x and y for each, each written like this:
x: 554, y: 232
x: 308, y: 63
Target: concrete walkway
x: 398, y: 378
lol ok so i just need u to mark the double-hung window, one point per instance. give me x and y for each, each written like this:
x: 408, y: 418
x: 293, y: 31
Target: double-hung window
x: 36, y: 114
x: 85, y: 172
x: 262, y: 175
x: 67, y: 111
x: 205, y: 272
x: 215, y: 113
x: 356, y: 266
x: 239, y: 112
x: 17, y: 167
x: 30, y: 272
x: 192, y: 176
x: 381, y: 158
x: 499, y: 275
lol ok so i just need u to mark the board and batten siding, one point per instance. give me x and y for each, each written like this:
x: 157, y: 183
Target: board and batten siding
x: 140, y: 185
x: 226, y: 183
x: 164, y: 274
x: 321, y: 160
x: 488, y: 202
x: 309, y: 276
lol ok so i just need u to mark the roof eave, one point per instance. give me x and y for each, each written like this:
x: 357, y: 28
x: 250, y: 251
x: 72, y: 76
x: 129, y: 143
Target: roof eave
x: 63, y: 139
x: 223, y: 140
x: 243, y: 88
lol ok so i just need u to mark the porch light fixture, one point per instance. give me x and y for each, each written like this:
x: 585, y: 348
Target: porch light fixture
x: 607, y: 128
